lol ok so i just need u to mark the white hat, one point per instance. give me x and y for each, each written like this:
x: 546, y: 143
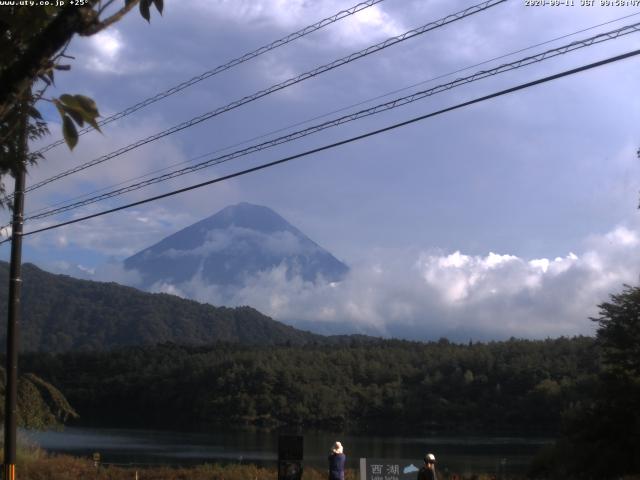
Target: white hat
x: 337, y: 448
x: 429, y: 458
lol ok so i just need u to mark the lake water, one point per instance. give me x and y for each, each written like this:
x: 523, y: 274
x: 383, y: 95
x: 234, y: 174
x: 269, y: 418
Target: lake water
x: 145, y: 447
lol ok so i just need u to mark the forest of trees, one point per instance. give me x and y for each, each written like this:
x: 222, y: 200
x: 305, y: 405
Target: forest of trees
x: 516, y: 385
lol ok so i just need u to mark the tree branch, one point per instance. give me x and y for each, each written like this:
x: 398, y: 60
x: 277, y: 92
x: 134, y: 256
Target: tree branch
x: 16, y: 78
x: 111, y: 20
x: 102, y: 8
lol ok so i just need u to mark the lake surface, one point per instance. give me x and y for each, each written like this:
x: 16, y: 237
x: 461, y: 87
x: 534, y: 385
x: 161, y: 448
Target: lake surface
x: 146, y: 447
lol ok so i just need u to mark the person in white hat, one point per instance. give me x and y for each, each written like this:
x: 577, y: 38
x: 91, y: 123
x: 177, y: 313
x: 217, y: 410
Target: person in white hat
x: 428, y: 472
x: 337, y: 459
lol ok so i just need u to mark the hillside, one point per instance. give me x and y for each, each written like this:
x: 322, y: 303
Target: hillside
x: 61, y: 313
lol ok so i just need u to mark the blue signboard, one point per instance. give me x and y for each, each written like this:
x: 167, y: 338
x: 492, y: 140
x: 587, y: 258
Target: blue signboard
x: 388, y: 469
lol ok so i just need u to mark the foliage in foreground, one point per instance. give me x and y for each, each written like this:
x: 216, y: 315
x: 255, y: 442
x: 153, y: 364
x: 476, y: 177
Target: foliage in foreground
x: 40, y: 404
x: 601, y: 434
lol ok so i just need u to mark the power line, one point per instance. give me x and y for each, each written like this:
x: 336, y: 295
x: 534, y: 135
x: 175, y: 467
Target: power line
x: 363, y: 102
x: 352, y: 117
x: 221, y: 68
x: 349, y: 140
x: 287, y: 83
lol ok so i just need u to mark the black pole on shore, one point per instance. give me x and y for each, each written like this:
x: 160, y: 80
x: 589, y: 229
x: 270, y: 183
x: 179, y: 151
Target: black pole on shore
x: 13, y: 319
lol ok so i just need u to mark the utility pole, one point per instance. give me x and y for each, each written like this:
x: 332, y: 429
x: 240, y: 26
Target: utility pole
x: 15, y: 284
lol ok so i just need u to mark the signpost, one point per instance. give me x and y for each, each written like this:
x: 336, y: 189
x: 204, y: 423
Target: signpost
x: 388, y: 469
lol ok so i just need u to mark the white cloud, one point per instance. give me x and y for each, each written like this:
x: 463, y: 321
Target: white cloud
x: 107, y: 43
x: 289, y: 15
x: 162, y: 287
x: 62, y: 240
x: 367, y: 26
x: 106, y: 47
x: 109, y: 52
x: 622, y: 236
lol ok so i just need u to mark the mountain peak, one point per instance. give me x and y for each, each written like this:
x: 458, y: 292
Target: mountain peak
x: 232, y: 246
x: 247, y: 215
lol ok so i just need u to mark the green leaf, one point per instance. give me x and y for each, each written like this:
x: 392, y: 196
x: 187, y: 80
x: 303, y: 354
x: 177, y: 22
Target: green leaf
x: 159, y: 5
x: 82, y: 104
x: 69, y: 100
x: 76, y: 115
x: 144, y: 9
x: 80, y: 108
x: 69, y: 132
x: 87, y: 104
x: 93, y: 123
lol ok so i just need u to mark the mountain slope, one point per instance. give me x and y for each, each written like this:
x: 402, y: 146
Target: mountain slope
x: 61, y: 313
x: 230, y: 247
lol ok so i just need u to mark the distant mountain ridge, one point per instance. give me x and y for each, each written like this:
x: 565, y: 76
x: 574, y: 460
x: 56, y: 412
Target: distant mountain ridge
x: 231, y: 246
x: 61, y: 313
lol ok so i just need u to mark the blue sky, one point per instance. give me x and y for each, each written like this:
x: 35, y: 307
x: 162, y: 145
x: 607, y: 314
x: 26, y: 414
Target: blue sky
x: 511, y: 217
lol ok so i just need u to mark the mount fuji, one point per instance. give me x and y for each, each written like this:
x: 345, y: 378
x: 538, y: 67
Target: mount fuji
x: 230, y: 247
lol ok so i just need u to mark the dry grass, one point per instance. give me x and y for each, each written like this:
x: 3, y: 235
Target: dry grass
x: 63, y: 467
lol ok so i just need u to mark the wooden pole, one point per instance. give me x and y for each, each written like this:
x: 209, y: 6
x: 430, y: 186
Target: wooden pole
x: 13, y: 320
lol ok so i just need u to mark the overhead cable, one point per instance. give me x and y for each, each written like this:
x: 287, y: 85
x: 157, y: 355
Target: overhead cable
x: 221, y: 68
x: 398, y: 102
x: 274, y: 88
x: 69, y: 201
x: 344, y: 142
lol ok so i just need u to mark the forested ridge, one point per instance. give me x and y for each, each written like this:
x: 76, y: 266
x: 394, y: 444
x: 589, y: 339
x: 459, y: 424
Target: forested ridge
x: 517, y: 385
x: 61, y: 313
